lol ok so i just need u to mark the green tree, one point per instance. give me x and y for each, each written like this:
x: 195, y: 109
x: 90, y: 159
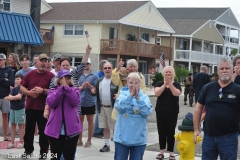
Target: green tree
x: 158, y: 77
x: 181, y: 73
x: 233, y: 52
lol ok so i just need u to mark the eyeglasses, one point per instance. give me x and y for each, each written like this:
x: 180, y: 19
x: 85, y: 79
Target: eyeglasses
x: 220, y: 93
x: 107, y: 68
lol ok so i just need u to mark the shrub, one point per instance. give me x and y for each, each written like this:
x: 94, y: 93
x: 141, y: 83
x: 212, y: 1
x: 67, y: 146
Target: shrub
x: 181, y: 73
x: 158, y: 77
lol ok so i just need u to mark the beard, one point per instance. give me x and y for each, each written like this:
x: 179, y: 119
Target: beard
x: 225, y: 79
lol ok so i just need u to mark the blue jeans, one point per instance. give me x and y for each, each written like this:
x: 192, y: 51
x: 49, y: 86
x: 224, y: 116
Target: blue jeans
x: 226, y: 146
x: 97, y: 130
x: 122, y: 152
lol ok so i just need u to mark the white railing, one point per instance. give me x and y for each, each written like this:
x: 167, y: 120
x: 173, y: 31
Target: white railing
x: 230, y: 39
x: 195, y: 56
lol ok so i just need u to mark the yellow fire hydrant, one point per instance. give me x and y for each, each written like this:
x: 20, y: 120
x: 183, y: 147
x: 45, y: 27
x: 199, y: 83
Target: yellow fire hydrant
x: 186, y: 146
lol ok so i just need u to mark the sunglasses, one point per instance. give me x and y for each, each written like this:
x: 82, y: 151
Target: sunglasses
x: 107, y: 68
x: 220, y: 93
x: 88, y: 63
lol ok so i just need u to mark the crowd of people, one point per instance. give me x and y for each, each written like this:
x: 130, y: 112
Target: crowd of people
x: 53, y: 103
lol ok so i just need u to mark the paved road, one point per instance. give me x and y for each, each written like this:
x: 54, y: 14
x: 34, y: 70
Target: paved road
x: 152, y: 125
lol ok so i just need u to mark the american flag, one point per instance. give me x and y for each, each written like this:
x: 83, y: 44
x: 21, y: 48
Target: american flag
x: 86, y: 33
x: 162, y: 60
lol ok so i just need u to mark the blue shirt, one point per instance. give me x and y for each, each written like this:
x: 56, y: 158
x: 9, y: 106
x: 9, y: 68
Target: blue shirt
x: 23, y: 72
x: 100, y: 74
x: 87, y: 100
x: 17, y: 104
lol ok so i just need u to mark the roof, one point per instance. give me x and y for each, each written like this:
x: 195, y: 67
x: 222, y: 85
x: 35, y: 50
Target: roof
x: 192, y: 13
x: 186, y: 26
x: 91, y: 10
x: 18, y: 28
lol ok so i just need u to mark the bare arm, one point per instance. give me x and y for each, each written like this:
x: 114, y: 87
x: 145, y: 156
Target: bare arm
x: 176, y: 92
x: 12, y: 98
x: 158, y: 90
x: 196, y: 120
x: 86, y: 55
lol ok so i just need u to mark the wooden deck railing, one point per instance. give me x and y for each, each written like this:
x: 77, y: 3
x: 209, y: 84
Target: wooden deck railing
x: 132, y: 48
x: 47, y: 35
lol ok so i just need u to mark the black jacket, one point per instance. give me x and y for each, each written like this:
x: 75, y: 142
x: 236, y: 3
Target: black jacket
x: 6, y: 73
x: 113, y: 90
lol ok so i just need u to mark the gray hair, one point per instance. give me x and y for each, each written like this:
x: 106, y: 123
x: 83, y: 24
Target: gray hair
x: 225, y: 60
x: 132, y: 62
x: 102, y: 62
x: 203, y: 67
x: 235, y: 58
x: 134, y: 75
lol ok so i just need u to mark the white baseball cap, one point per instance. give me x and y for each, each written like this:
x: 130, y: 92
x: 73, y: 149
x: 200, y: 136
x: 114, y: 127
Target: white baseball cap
x: 2, y: 56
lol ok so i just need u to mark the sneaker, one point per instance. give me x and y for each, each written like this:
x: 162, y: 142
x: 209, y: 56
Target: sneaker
x: 36, y: 139
x: 87, y: 144
x: 185, y: 103
x: 26, y: 155
x: 10, y: 146
x: 20, y: 145
x: 190, y: 105
x: 105, y: 148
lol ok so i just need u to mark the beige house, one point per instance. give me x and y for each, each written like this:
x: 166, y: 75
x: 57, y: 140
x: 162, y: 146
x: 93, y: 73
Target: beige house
x: 202, y: 36
x: 110, y: 25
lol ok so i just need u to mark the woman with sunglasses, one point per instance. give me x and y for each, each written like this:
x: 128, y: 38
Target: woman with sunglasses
x: 63, y: 126
x: 167, y: 109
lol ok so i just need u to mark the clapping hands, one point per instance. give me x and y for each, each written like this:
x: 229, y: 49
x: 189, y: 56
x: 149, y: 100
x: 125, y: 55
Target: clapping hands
x: 134, y: 89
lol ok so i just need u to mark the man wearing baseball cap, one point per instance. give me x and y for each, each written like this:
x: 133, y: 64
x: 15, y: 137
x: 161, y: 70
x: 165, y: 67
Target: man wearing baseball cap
x: 56, y: 63
x: 6, y: 80
x: 35, y: 86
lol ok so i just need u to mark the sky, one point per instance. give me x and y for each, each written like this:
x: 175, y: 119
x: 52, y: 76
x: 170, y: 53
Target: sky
x: 233, y: 4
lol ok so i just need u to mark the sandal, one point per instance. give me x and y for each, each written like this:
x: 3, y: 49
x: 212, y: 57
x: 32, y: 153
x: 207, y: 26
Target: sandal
x: 7, y: 139
x: 160, y: 156
x: 172, y: 157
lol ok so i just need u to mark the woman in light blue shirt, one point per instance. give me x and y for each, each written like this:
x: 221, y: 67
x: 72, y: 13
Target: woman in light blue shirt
x: 131, y: 130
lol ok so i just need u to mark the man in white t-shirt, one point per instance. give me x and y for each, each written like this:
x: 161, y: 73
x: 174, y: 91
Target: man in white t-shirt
x: 105, y: 91
x: 56, y: 63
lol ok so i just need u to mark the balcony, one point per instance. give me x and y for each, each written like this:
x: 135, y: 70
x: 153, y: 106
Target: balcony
x: 231, y: 40
x: 195, y: 56
x: 47, y: 35
x: 132, y: 48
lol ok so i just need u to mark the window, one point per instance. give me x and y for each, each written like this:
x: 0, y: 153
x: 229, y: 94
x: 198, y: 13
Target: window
x: 75, y: 61
x: 6, y: 5
x: 159, y: 41
x: 73, y: 30
x: 145, y: 36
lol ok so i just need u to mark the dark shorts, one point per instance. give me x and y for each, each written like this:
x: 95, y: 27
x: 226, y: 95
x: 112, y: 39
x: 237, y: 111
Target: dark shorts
x: 88, y: 110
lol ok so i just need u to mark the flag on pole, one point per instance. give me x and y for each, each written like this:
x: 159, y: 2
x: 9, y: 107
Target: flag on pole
x: 162, y: 60
x: 86, y: 33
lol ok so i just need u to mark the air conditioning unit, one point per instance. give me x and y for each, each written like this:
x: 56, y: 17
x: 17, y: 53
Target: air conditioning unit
x: 1, y: 6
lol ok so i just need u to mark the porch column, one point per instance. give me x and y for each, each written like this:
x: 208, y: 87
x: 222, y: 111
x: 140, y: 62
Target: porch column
x: 214, y: 47
x: 50, y: 48
x: 156, y: 32
x: 238, y: 40
x: 202, y: 45
x: 229, y: 34
x: 171, y: 50
x: 138, y: 41
x: 224, y: 50
x: 212, y: 68
x: 190, y: 54
x: 225, y: 33
x: 119, y: 38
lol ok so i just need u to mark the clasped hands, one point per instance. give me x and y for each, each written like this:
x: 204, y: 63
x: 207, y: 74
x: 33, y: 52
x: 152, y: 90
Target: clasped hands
x: 134, y: 89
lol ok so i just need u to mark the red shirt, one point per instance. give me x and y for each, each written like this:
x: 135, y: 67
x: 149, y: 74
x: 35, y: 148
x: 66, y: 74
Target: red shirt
x: 33, y: 79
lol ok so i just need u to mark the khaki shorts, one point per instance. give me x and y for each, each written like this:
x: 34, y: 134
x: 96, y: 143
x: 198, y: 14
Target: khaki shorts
x: 104, y: 118
x: 4, y: 106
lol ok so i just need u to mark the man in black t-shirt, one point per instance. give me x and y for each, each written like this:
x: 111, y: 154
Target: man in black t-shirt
x: 222, y: 102
x: 200, y: 79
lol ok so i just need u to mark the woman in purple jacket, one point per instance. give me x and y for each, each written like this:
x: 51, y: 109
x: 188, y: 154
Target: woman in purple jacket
x: 63, y: 126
